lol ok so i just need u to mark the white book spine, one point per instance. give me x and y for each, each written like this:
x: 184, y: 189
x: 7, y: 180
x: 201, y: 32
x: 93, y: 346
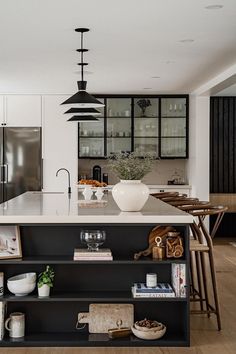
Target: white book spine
x: 93, y: 258
x: 2, y: 319
x: 175, y: 276
x: 154, y: 295
x: 182, y: 279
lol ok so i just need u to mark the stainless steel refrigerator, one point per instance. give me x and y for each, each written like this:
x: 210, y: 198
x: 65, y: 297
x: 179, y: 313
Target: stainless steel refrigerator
x: 20, y: 161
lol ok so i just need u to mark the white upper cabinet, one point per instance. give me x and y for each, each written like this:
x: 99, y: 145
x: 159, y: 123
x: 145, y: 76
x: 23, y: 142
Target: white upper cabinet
x: 23, y: 111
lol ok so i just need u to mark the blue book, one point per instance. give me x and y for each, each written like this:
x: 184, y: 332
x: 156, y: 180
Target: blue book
x: 160, y: 288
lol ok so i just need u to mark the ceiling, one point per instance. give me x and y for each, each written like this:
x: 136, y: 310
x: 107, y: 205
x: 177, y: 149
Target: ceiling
x: 130, y: 42
x: 229, y: 91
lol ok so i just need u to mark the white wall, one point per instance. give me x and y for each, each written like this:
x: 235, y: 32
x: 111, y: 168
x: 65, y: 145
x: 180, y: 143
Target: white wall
x: 199, y: 141
x: 60, y: 141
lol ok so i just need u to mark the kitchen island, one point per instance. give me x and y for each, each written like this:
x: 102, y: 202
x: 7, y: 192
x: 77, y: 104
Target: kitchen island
x: 50, y: 225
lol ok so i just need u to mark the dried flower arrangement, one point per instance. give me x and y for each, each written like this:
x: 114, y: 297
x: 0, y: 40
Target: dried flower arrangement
x: 130, y: 166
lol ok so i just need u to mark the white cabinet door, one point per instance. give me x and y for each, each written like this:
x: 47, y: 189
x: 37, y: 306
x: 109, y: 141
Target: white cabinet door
x: 60, y: 145
x: 2, y: 111
x: 23, y: 111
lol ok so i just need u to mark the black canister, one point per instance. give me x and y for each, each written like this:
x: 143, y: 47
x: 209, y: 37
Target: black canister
x: 97, y: 173
x: 105, y: 178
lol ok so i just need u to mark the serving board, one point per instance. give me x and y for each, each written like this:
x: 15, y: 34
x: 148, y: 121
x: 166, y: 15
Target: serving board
x: 102, y: 317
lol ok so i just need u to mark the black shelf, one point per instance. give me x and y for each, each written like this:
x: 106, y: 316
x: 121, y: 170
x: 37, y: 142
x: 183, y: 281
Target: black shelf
x: 69, y: 260
x: 89, y: 296
x: 78, y: 339
x: 184, y: 117
x: 91, y: 137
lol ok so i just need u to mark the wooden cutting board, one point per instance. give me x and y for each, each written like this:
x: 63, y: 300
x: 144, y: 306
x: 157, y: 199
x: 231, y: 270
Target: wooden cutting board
x: 102, y: 317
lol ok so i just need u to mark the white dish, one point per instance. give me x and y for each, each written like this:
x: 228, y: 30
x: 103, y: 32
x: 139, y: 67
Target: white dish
x: 22, y: 284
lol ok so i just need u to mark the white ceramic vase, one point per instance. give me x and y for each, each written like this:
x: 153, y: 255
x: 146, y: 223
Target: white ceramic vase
x: 130, y: 195
x: 44, y: 290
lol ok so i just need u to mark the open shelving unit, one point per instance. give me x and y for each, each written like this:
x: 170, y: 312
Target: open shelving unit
x: 51, y: 321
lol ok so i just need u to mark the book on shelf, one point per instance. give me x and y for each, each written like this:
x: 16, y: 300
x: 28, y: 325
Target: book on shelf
x: 160, y: 288
x: 102, y: 252
x: 91, y: 258
x: 153, y: 294
x: 178, y: 275
x: 2, y: 318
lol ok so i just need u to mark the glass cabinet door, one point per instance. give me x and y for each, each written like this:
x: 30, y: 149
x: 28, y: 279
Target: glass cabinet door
x: 173, y: 127
x: 91, y: 137
x: 146, y: 125
x: 118, y: 125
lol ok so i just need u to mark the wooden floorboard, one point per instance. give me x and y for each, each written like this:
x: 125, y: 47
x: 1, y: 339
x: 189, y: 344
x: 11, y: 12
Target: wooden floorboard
x: 205, y: 339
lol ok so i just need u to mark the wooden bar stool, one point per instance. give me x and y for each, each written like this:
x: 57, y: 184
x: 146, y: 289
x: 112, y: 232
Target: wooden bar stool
x: 202, y: 245
x: 164, y: 194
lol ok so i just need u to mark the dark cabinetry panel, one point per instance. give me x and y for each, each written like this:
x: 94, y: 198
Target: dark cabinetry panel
x: 223, y: 144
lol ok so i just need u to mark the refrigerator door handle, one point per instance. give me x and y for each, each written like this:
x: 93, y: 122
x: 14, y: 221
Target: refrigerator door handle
x: 41, y: 174
x: 1, y: 174
x: 5, y: 173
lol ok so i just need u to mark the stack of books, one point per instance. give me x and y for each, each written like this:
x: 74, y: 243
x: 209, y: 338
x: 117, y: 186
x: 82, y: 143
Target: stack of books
x: 161, y: 290
x: 82, y: 254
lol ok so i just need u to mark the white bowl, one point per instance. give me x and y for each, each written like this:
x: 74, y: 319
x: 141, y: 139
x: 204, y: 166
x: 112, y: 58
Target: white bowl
x: 23, y: 278
x: 150, y: 335
x: 22, y: 284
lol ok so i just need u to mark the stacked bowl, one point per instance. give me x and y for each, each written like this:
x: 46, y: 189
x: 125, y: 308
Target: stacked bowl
x: 22, y: 284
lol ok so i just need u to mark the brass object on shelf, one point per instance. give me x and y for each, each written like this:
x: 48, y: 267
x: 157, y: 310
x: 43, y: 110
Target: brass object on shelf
x: 158, y: 251
x: 119, y: 331
x: 174, y: 245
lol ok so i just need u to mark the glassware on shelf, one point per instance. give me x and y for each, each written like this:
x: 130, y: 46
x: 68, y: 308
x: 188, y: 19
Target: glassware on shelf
x: 93, y: 239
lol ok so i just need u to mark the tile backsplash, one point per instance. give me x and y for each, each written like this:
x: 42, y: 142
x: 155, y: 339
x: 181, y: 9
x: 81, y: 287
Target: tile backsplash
x: 161, y: 173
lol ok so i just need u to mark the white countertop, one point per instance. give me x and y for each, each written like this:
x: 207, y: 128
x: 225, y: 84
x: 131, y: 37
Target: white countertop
x: 46, y: 207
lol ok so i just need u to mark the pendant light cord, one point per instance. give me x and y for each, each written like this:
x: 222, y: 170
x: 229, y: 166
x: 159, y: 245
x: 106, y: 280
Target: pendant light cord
x: 82, y: 58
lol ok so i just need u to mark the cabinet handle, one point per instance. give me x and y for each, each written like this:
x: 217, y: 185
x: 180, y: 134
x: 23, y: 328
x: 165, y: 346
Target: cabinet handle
x: 1, y: 173
x: 5, y: 167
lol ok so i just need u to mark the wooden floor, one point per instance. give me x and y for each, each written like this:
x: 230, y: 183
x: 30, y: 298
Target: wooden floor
x: 205, y: 339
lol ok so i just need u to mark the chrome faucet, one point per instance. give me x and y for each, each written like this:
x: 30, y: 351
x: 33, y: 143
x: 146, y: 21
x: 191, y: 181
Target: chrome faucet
x: 64, y: 169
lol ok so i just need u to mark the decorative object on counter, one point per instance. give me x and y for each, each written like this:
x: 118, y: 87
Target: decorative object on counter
x: 143, y: 104
x: 93, y: 239
x: 140, y: 290
x: 10, y: 244
x: 82, y: 254
x: 92, y: 183
x: 174, y: 245
x: 151, y: 280
x: 22, y: 284
x: 178, y: 277
x: 158, y: 231
x: 102, y: 317
x: 105, y: 178
x: 147, y: 329
x: 1, y: 283
x: 87, y: 193
x: 130, y: 194
x: 2, y: 318
x: 15, y: 324
x: 97, y: 173
x: 119, y: 332
x: 158, y: 251
x: 45, y: 282
x: 99, y: 193
x: 82, y: 98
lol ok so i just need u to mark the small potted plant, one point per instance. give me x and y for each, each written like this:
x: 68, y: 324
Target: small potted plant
x: 143, y: 104
x: 130, y: 194
x: 45, y: 282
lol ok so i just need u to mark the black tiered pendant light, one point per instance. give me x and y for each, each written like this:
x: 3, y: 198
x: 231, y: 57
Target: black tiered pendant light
x: 84, y: 111
x: 82, y: 99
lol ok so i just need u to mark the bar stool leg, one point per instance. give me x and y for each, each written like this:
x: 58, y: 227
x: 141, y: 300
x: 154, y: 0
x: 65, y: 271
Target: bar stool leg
x: 215, y: 293
x: 192, y: 276
x: 199, y: 279
x: 204, y: 278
